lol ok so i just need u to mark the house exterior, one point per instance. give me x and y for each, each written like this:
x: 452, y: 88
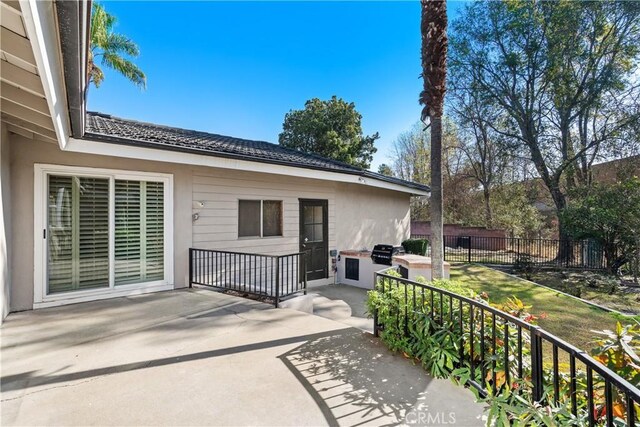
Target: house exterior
x: 95, y: 206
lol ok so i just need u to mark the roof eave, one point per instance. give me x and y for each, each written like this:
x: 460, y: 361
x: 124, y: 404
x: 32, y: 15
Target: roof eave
x: 103, y: 145
x: 74, y: 18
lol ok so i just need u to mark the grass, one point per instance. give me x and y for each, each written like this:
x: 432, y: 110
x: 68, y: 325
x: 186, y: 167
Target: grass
x: 592, y: 286
x: 567, y: 318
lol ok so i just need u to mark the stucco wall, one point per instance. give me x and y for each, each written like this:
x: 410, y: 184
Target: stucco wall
x: 5, y: 223
x: 359, y: 216
x: 367, y: 216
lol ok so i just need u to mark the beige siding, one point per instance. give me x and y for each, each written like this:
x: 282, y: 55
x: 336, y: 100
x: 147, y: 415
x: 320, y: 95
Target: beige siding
x: 359, y: 216
x: 220, y: 192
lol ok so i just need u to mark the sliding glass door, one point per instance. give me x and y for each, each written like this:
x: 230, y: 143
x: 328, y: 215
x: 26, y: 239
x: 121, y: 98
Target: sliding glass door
x: 78, y: 233
x: 101, y: 232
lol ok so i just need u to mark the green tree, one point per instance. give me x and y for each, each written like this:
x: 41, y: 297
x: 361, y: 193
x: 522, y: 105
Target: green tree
x: 331, y: 129
x: 433, y: 28
x: 112, y: 49
x: 609, y: 214
x: 385, y: 169
x: 564, y: 75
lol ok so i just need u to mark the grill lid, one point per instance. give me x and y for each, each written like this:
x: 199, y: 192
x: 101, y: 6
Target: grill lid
x: 383, y: 254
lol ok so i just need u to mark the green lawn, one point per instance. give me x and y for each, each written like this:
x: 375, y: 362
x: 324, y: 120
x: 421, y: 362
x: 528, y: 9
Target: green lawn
x: 567, y: 318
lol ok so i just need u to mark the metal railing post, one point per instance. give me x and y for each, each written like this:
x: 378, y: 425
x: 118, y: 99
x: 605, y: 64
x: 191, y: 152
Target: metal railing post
x: 304, y: 271
x: 469, y: 250
x: 277, y: 296
x: 376, y: 332
x: 536, y: 365
x: 191, y: 267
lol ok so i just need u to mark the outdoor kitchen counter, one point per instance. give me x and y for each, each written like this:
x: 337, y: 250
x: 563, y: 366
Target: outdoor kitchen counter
x: 356, y: 253
x: 417, y: 265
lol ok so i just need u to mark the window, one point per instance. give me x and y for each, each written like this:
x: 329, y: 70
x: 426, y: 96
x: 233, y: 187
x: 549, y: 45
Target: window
x: 259, y: 218
x: 101, y: 230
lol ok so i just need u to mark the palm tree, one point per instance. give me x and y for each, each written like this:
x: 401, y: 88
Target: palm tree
x: 434, y: 72
x: 111, y: 47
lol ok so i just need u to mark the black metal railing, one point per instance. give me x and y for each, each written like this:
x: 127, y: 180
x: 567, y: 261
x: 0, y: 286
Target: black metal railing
x: 498, y: 348
x: 582, y: 254
x: 272, y: 276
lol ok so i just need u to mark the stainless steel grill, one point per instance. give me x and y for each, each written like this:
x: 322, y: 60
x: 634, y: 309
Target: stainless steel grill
x: 382, y: 254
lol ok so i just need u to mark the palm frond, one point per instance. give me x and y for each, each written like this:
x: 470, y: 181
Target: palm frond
x: 111, y: 46
x: 116, y: 43
x: 126, y: 68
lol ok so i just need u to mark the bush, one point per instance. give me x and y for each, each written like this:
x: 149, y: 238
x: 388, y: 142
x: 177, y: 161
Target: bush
x: 416, y: 246
x: 418, y: 324
x: 524, y: 265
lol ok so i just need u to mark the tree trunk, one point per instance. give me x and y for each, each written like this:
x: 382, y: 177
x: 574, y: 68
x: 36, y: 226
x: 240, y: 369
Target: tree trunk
x: 437, y: 226
x: 487, y: 208
x: 565, y: 247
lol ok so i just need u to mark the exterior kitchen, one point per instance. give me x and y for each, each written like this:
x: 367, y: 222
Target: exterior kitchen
x: 357, y: 267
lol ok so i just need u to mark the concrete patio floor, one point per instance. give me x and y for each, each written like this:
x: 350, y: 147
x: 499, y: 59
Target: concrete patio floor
x: 344, y: 304
x: 197, y: 357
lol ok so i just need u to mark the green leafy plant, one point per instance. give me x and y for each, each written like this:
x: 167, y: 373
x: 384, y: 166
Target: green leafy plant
x: 416, y: 246
x: 452, y: 341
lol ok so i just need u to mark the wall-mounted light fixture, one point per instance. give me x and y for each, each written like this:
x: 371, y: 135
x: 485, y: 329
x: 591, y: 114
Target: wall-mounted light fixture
x: 198, y: 204
x: 362, y: 180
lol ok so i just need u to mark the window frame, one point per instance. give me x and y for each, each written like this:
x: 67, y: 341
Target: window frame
x: 261, y: 236
x: 41, y: 174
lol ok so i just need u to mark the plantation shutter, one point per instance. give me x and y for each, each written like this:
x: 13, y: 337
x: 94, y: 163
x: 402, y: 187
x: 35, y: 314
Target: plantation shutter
x: 139, y: 231
x: 93, y: 233
x: 78, y: 233
x: 155, y: 231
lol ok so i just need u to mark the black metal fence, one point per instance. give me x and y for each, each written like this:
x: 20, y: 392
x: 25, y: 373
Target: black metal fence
x: 581, y: 254
x: 272, y: 276
x: 498, y: 348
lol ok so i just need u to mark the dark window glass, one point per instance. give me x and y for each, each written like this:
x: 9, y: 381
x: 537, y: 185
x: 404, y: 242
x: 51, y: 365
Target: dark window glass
x: 271, y: 218
x: 249, y: 218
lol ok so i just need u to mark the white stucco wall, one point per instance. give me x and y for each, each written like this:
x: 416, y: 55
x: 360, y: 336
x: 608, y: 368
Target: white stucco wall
x: 359, y: 216
x: 367, y: 216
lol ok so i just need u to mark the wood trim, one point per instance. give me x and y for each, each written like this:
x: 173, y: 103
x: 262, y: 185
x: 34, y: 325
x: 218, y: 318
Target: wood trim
x: 24, y: 98
x: 21, y: 78
x: 45, y: 133
x: 16, y: 110
x: 16, y: 45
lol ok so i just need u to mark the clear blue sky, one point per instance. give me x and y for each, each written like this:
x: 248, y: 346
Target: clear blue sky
x: 238, y: 68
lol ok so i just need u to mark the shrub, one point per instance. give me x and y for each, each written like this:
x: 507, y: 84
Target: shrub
x: 416, y: 246
x: 524, y: 265
x: 436, y: 332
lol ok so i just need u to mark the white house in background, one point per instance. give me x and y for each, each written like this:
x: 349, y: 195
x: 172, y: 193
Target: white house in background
x: 95, y: 206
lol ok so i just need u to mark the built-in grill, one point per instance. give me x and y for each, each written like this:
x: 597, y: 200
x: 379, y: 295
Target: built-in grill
x: 382, y: 254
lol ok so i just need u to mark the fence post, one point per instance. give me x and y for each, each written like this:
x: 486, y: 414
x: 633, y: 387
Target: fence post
x: 517, y: 248
x: 191, y: 267
x: 375, y: 312
x: 277, y: 280
x: 304, y: 271
x: 469, y: 250
x: 536, y: 365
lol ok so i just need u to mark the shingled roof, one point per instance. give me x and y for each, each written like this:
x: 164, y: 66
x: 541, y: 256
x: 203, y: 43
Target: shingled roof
x: 106, y: 128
